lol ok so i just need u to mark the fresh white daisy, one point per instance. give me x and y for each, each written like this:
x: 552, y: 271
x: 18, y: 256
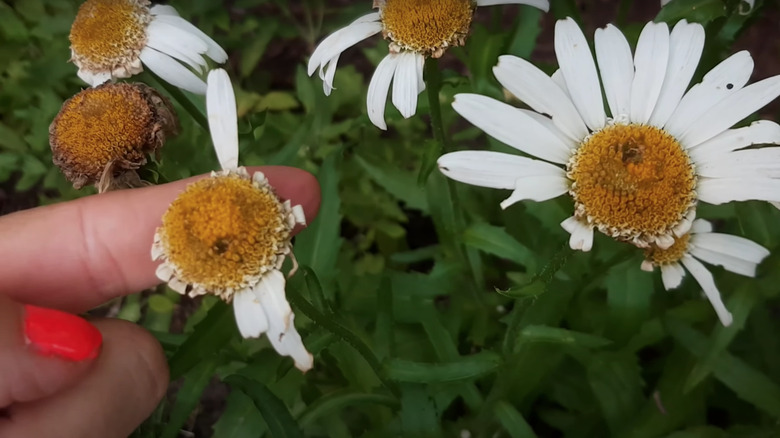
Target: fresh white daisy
x: 112, y: 39
x: 416, y: 29
x: 228, y: 235
x: 735, y: 254
x: 637, y: 173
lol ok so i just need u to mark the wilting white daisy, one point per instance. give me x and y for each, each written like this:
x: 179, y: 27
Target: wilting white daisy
x: 112, y: 39
x: 745, y: 6
x: 416, y: 29
x: 735, y: 254
x: 638, y: 173
x: 228, y: 235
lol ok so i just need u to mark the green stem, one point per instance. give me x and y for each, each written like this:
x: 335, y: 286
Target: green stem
x: 433, y: 85
x: 345, y: 334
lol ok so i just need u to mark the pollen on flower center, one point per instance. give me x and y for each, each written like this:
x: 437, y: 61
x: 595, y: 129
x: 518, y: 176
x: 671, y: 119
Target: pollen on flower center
x: 634, y: 182
x: 223, y: 232
x: 109, y: 34
x: 673, y: 254
x: 426, y: 26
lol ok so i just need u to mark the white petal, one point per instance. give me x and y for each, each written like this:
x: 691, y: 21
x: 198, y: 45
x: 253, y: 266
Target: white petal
x: 560, y: 81
x: 581, y: 234
x: 94, y: 79
x: 665, y: 2
x: 512, y: 126
x: 176, y: 43
x: 541, y: 93
x: 214, y: 51
x: 164, y: 10
x: 164, y: 272
x: 223, y: 120
x: 617, y: 68
x: 327, y: 73
x: 733, y: 248
x: 672, y: 275
x: 579, y: 70
x: 650, y: 62
x: 763, y: 162
x: 760, y: 132
x: 281, y: 327
x: 405, y: 83
x: 250, y: 316
x: 734, y: 71
x: 343, y: 39
x: 299, y: 215
x: 171, y: 71
x: 541, y: 4
x: 731, y: 110
x: 704, y: 278
x: 550, y: 125
x: 493, y: 169
x: 721, y: 190
x: 537, y: 188
x: 378, y: 89
x: 701, y: 226
x: 647, y: 266
x: 685, y: 47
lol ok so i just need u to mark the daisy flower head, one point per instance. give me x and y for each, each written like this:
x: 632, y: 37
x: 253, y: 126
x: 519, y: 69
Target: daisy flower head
x: 228, y: 235
x: 102, y: 135
x: 735, y: 254
x: 416, y: 29
x: 637, y: 168
x: 112, y: 39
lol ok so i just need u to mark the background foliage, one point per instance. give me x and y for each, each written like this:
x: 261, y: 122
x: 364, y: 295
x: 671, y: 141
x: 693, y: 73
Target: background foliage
x: 430, y: 311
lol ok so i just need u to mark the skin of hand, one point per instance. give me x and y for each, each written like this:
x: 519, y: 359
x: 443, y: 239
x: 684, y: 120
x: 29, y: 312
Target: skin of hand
x: 60, y: 375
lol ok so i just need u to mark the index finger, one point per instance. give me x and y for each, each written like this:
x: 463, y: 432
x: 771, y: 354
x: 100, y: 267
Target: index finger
x: 76, y: 255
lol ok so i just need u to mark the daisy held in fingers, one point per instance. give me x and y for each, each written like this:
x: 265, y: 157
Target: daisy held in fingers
x: 636, y: 169
x: 228, y: 235
x: 735, y: 254
x: 112, y: 39
x: 416, y: 29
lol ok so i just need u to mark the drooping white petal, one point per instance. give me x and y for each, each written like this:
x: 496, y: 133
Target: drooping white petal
x: 493, y: 169
x: 405, y: 83
x: 172, y: 71
x: 726, y: 78
x: 672, y: 275
x: 378, y: 89
x: 512, y: 126
x: 250, y: 316
x: 281, y: 322
x: 94, y: 79
x: 760, y: 132
x: 579, y: 70
x: 734, y: 247
x: 541, y: 4
x: 650, y: 62
x: 731, y: 110
x: 705, y: 280
x: 327, y: 73
x: 537, y: 188
x: 223, y: 120
x: 343, y: 39
x: 214, y: 51
x: 176, y: 43
x: 685, y: 47
x: 581, y: 238
x: 616, y: 65
x: 541, y: 93
x: 763, y: 162
x: 721, y: 190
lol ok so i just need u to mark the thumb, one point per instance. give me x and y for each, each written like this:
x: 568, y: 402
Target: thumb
x: 42, y: 351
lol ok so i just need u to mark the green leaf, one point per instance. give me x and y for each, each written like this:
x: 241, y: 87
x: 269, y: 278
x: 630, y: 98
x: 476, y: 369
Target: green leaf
x: 255, y: 49
x: 241, y: 418
x: 513, y: 422
x: 629, y: 292
x: 398, y: 183
x: 333, y: 403
x: 418, y: 412
x: 210, y: 336
x: 465, y: 368
x: 495, y: 240
x: 281, y: 423
x: 188, y: 396
x: 541, y: 333
x: 10, y: 140
x: 701, y: 11
x: 617, y: 384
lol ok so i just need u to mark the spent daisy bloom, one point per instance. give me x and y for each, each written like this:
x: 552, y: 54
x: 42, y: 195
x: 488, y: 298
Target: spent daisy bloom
x: 416, y: 29
x: 735, y: 254
x: 112, y: 39
x: 102, y: 135
x: 228, y: 235
x: 637, y: 173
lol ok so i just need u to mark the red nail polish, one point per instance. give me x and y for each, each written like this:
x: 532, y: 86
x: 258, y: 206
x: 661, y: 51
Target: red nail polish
x: 54, y: 333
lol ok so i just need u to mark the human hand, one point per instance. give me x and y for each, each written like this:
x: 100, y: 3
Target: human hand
x: 97, y: 379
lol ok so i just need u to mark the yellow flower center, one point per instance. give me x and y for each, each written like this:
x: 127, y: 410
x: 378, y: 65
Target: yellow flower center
x: 673, y: 254
x: 224, y: 232
x: 633, y: 182
x: 427, y: 26
x: 112, y: 126
x: 108, y: 34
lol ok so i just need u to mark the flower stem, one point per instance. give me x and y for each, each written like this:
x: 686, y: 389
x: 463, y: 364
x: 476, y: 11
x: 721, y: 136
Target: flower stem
x: 433, y: 84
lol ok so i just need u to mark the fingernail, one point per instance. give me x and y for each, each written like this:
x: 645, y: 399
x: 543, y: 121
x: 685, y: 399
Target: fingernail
x: 54, y: 333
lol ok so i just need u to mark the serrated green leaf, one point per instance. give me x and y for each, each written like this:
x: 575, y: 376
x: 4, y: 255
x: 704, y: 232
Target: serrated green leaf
x: 281, y: 423
x: 701, y: 11
x: 208, y: 338
x: 629, y: 293
x: 398, y: 183
x: 188, y: 396
x: 495, y: 240
x: 333, y: 403
x: 541, y: 333
x: 418, y: 412
x: 465, y: 368
x: 241, y: 418
x: 513, y: 422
